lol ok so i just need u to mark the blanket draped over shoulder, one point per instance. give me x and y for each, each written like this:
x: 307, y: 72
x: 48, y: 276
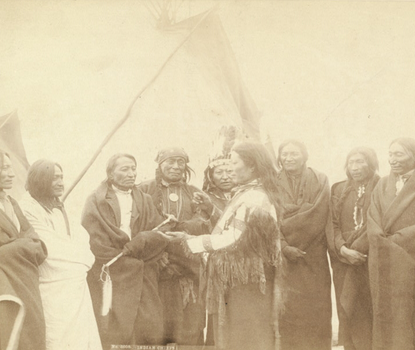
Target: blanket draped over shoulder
x: 21, y: 318
x: 391, y: 232
x: 136, y: 308
x: 351, y: 282
x: 306, y: 322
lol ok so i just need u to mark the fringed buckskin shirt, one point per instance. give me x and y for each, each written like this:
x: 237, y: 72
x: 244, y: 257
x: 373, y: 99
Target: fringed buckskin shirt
x: 244, y: 260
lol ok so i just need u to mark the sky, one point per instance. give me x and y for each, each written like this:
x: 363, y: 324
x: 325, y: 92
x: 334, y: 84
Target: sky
x: 334, y: 74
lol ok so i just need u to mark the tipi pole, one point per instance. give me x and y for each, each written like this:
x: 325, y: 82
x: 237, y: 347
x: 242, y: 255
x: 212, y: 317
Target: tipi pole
x: 7, y: 119
x: 128, y: 113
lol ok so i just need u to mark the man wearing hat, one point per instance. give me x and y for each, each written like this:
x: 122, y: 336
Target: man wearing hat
x: 184, y: 315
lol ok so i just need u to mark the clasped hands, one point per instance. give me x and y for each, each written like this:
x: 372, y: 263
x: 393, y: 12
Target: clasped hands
x: 353, y: 256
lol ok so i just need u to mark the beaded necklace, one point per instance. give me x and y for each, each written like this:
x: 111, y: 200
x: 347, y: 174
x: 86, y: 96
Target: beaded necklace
x: 358, y: 211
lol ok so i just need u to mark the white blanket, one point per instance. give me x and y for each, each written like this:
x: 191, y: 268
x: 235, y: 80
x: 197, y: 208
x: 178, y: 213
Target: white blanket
x: 70, y: 321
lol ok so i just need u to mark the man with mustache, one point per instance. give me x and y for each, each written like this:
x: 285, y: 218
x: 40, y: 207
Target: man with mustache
x: 184, y: 315
x: 119, y: 219
x: 22, y: 324
x: 391, y: 232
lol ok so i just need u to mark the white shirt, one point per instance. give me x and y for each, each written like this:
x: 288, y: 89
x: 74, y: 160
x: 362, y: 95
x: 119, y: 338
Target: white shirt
x: 125, y: 200
x: 66, y: 300
x: 402, y: 180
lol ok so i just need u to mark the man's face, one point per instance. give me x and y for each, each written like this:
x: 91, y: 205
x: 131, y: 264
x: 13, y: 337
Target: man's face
x: 292, y: 159
x: 358, y: 167
x: 222, y: 177
x: 124, y: 173
x: 57, y: 182
x: 6, y: 174
x: 172, y: 169
x: 400, y: 161
x: 241, y: 173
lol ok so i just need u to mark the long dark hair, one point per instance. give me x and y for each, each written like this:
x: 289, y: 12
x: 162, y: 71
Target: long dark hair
x: 372, y: 160
x: 208, y: 184
x: 370, y: 156
x: 299, y: 144
x: 256, y: 155
x: 39, y: 181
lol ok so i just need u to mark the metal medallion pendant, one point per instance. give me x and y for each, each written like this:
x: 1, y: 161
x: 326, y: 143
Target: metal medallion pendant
x: 173, y: 197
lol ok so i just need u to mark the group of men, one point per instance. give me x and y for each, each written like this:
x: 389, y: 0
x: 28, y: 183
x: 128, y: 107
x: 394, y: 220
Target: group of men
x: 157, y: 294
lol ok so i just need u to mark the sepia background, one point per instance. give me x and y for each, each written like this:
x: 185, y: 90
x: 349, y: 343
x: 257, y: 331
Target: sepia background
x: 334, y: 74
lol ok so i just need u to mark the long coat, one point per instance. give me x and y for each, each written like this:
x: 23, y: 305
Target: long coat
x: 136, y: 315
x: 391, y: 232
x: 351, y: 282
x: 306, y: 321
x: 21, y: 252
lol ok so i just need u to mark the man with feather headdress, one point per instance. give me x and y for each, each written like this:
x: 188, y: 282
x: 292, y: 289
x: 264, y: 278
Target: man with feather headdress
x: 218, y: 181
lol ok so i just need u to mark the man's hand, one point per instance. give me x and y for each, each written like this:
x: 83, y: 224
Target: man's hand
x: 353, y: 256
x: 293, y: 254
x: 175, y: 235
x: 203, y: 201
